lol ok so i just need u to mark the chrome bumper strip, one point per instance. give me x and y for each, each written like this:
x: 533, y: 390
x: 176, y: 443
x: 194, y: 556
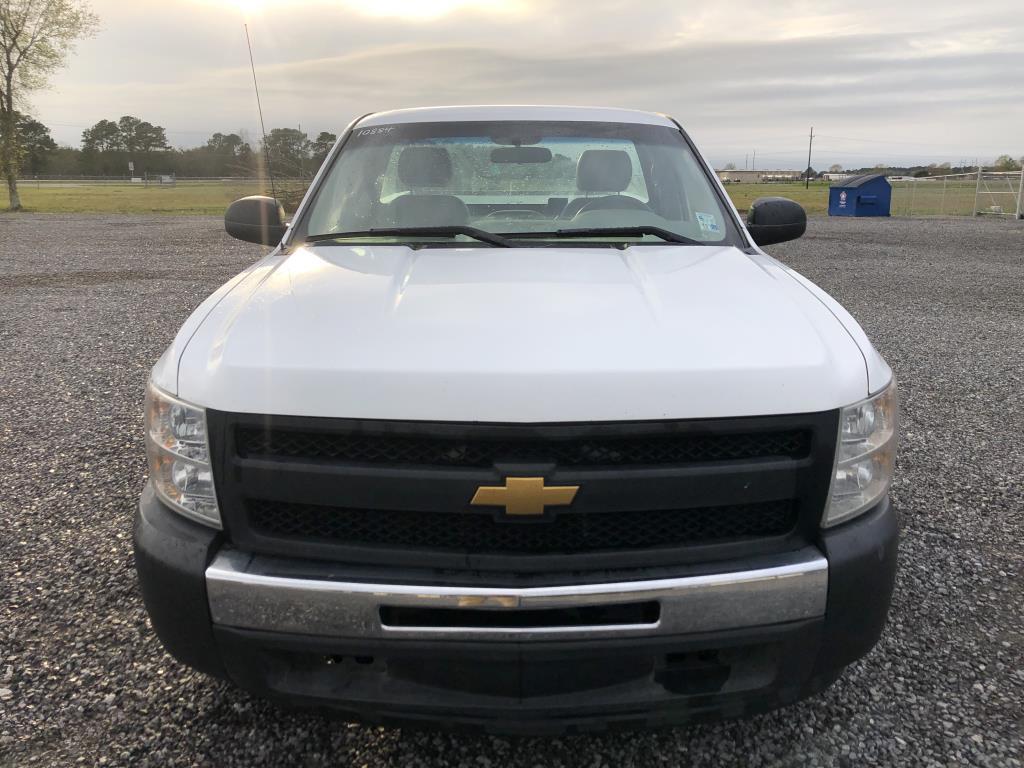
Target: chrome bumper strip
x: 242, y: 595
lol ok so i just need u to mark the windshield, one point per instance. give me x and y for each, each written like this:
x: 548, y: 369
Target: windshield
x: 540, y: 181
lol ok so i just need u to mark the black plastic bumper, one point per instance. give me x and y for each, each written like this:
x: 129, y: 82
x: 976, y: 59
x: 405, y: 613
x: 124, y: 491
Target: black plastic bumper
x: 549, y: 686
x: 171, y: 555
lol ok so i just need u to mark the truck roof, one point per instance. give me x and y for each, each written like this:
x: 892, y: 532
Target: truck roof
x: 515, y: 112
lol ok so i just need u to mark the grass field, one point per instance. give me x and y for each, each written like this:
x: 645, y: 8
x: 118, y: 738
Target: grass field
x: 199, y: 198
x: 213, y: 197
x: 814, y: 199
x: 927, y: 198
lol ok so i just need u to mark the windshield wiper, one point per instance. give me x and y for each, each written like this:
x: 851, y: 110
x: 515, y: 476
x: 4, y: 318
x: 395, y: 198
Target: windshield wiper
x: 447, y: 231
x: 506, y: 240
x: 638, y: 231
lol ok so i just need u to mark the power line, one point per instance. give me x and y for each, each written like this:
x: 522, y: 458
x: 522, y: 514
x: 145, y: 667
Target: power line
x: 168, y: 130
x: 885, y: 141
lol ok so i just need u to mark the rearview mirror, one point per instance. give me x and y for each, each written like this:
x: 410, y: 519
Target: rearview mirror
x: 775, y: 220
x: 521, y: 155
x: 256, y: 219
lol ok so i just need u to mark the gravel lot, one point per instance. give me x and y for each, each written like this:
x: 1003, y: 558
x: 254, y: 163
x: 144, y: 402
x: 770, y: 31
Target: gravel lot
x: 88, y: 303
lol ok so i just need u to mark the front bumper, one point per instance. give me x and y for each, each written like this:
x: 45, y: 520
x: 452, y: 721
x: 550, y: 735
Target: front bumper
x: 729, y: 641
x: 268, y: 594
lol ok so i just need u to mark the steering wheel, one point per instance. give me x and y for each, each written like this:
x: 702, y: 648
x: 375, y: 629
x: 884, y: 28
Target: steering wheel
x: 613, y: 203
x: 516, y: 213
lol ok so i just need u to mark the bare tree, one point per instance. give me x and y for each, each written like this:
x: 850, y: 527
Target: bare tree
x: 36, y: 37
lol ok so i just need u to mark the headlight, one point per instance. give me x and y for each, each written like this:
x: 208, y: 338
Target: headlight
x: 865, y: 456
x: 179, y: 456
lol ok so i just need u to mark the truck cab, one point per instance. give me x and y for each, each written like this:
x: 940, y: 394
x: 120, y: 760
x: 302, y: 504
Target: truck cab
x: 518, y: 428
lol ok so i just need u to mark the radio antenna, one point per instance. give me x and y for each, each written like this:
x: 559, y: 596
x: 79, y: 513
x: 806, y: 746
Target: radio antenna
x: 259, y: 107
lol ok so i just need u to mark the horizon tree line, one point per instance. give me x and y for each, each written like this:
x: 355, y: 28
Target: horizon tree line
x: 108, y: 146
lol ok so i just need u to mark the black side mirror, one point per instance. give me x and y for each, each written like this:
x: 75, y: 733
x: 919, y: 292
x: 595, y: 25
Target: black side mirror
x: 775, y: 220
x: 256, y: 219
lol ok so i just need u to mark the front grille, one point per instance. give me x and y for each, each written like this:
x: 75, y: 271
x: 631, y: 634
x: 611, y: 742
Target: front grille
x: 396, y: 495
x: 566, y: 533
x: 572, y: 452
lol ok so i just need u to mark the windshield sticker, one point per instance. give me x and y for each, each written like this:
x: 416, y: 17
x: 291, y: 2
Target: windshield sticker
x: 381, y: 130
x: 708, y: 223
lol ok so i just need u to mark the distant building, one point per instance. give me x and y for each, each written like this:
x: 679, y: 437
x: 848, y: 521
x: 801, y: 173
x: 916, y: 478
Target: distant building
x: 836, y: 176
x: 758, y: 177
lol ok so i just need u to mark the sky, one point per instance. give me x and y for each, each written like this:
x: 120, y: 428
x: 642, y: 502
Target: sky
x: 896, y: 82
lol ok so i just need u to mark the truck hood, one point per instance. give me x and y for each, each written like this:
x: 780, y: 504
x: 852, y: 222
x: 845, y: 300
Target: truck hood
x: 521, y: 335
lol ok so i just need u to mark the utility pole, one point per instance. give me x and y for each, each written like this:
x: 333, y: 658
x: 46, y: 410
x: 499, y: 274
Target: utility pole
x: 977, y: 188
x: 1020, y: 196
x: 807, y: 171
x: 745, y: 159
x: 753, y: 167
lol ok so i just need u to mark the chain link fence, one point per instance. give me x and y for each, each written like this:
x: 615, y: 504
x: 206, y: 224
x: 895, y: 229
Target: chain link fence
x: 982, y: 193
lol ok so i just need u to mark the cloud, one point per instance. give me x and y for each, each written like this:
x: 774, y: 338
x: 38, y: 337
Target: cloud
x: 741, y: 75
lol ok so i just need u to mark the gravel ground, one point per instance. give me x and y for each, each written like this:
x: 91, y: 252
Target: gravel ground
x: 88, y: 303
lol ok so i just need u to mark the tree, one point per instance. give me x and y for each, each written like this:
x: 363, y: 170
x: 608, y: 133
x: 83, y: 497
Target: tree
x: 139, y: 136
x: 222, y: 144
x: 35, y: 142
x: 729, y: 167
x: 36, y: 37
x: 151, y: 138
x: 288, y: 149
x: 64, y: 161
x: 105, y: 136
x: 222, y: 155
x: 247, y: 162
x: 108, y: 147
x: 835, y: 168
x: 1006, y: 163
x: 321, y: 146
x: 126, y: 130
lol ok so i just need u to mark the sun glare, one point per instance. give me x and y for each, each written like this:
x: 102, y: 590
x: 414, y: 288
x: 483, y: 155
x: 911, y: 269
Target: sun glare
x: 245, y: 6
x: 405, y: 9
x: 251, y: 6
x: 432, y: 9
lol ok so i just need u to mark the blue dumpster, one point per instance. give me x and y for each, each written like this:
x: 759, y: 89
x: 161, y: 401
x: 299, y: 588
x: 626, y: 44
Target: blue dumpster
x: 867, y: 195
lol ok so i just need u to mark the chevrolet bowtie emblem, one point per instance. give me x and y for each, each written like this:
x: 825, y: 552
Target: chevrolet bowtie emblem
x: 524, y: 495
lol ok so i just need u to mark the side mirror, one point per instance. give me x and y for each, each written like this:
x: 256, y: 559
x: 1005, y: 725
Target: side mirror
x: 256, y: 219
x: 775, y: 220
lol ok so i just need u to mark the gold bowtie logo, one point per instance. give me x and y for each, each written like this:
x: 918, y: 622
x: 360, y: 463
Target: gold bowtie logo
x: 524, y: 495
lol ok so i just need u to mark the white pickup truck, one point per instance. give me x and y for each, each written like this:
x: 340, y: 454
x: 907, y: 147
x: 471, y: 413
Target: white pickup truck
x: 518, y: 428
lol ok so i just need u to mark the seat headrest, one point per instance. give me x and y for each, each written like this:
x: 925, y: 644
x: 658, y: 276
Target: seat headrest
x: 425, y: 166
x: 429, y: 211
x: 603, y: 170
